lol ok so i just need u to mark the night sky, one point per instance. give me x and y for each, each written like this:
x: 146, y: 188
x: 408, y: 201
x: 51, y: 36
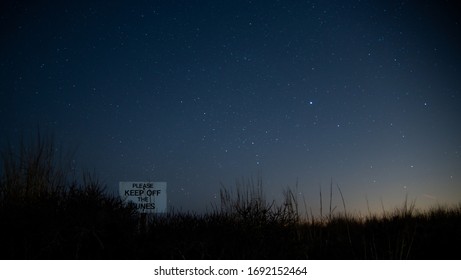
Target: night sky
x: 366, y: 94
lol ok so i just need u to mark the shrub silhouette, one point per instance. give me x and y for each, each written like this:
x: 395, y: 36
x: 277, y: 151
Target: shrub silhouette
x: 45, y: 214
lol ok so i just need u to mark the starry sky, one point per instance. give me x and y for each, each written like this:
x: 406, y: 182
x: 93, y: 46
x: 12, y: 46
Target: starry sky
x: 364, y: 94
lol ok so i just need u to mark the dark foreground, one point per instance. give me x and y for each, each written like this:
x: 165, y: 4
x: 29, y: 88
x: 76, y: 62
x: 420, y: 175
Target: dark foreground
x: 84, y: 223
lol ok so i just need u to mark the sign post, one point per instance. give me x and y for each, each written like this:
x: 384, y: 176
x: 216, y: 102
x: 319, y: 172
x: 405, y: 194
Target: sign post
x: 147, y: 197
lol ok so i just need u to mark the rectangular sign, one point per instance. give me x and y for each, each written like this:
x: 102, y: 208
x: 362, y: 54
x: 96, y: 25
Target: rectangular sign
x: 147, y: 197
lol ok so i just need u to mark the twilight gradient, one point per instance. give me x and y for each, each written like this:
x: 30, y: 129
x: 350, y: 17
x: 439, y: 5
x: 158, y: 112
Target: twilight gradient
x: 198, y: 93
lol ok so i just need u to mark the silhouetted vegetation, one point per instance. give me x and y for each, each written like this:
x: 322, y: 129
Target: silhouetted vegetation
x: 45, y: 215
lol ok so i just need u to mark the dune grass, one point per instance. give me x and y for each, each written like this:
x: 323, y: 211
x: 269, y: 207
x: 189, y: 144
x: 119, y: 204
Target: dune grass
x: 46, y: 215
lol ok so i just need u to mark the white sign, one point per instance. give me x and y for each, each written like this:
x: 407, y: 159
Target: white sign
x: 147, y: 197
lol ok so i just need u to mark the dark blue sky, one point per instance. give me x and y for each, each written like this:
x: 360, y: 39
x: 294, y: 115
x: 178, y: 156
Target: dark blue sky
x: 198, y: 93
